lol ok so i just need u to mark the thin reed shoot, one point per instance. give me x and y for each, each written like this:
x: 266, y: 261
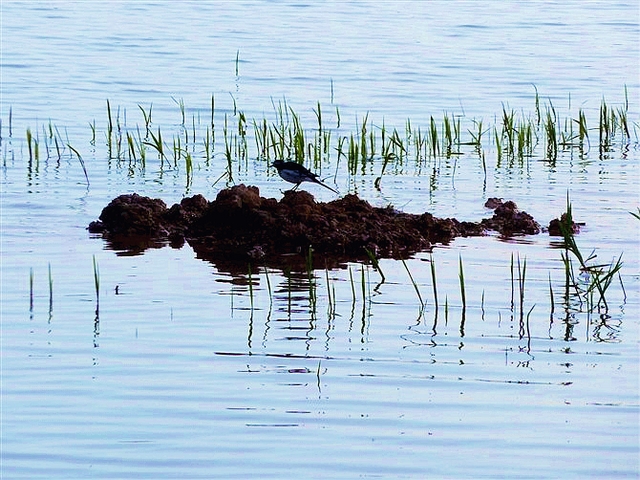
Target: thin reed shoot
x: 96, y: 281
x: 463, y: 294
x: 413, y: 282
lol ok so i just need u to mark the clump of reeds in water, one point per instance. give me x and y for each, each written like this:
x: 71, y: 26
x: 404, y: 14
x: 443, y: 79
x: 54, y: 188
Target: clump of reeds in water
x: 599, y: 276
x: 194, y: 146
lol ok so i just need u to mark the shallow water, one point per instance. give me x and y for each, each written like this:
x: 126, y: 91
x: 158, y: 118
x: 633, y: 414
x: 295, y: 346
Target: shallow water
x: 176, y: 374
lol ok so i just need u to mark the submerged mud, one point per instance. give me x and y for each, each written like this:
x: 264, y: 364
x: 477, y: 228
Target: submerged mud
x: 241, y: 226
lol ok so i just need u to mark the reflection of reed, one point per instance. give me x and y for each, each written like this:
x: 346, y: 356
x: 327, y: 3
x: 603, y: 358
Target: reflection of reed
x: 96, y: 329
x: 606, y: 329
x: 31, y: 289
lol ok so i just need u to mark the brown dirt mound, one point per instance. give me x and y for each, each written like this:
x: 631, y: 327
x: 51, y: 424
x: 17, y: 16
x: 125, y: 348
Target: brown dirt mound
x: 240, y: 225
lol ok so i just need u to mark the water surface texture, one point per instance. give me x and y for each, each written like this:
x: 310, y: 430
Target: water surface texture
x: 163, y: 365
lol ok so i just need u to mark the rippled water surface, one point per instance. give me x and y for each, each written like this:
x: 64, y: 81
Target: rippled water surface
x: 182, y: 368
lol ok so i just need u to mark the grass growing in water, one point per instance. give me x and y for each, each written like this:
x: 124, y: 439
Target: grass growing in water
x: 433, y: 281
x: 599, y: 276
x: 413, y: 282
x: 96, y: 282
x: 463, y: 294
x: 283, y: 135
x: 84, y: 168
x: 375, y: 263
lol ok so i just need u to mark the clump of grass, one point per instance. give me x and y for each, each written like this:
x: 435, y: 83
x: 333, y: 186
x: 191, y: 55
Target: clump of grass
x: 515, y: 136
x: 551, y: 134
x: 583, y: 131
x: 476, y: 135
x: 599, y: 276
x: 34, y: 147
x: 157, y: 144
x: 607, y: 123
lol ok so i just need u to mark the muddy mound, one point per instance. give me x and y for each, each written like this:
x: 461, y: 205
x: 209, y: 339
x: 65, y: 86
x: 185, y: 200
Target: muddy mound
x: 241, y: 225
x: 508, y: 220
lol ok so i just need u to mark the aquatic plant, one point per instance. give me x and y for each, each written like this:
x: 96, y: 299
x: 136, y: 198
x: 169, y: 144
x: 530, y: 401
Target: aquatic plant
x: 551, y: 134
x: 514, y: 138
x: 522, y: 273
x: 353, y: 286
x: 30, y: 144
x: 413, y: 282
x: 331, y: 296
x: 180, y: 103
x: 433, y: 281
x: 463, y: 294
x: 599, y: 276
x: 146, y: 115
x: 157, y: 144
x: 96, y: 282
x: 109, y: 132
x: 84, y: 168
x: 551, y: 299
x: 375, y: 263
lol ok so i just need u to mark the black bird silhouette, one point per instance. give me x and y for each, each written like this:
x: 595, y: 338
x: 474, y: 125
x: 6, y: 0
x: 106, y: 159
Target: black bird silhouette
x: 295, y: 173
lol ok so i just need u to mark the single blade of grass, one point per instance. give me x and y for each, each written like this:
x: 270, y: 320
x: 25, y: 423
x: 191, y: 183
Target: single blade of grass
x: 413, y: 282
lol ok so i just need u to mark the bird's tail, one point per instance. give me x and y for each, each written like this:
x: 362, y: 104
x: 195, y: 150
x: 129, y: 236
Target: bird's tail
x: 327, y: 186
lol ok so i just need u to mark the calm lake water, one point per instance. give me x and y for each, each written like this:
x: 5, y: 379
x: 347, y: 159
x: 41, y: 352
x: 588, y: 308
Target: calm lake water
x: 184, y: 370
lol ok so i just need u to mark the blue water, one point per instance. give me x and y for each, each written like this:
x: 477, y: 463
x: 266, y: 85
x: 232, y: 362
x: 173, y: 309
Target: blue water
x: 178, y: 374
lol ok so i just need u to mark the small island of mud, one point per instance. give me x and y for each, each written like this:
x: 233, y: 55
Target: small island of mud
x: 241, y: 226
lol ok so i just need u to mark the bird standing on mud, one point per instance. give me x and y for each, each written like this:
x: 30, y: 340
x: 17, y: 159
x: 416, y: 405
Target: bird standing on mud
x: 295, y: 173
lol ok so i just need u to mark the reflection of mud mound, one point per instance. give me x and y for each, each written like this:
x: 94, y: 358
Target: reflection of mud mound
x: 241, y: 225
